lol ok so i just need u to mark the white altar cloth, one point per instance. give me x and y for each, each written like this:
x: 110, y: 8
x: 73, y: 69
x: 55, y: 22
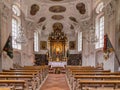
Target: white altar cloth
x: 57, y: 64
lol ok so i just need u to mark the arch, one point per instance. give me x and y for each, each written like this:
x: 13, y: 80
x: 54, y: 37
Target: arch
x: 16, y: 10
x: 99, y: 7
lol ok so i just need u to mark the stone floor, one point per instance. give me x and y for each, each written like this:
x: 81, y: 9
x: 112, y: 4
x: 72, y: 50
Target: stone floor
x: 55, y: 82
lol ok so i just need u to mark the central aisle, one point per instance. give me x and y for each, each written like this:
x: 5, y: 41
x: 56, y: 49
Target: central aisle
x: 55, y: 82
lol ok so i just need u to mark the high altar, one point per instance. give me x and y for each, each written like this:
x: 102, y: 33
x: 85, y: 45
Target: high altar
x: 57, y: 45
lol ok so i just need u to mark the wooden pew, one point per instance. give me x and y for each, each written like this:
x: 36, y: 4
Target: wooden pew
x: 90, y: 70
x: 44, y: 69
x: 26, y: 73
x: 97, y: 77
x: 19, y: 73
x: 6, y: 88
x: 93, y: 77
x: 31, y: 80
x: 95, y: 73
x: 36, y: 71
x: 22, y: 83
x: 100, y: 82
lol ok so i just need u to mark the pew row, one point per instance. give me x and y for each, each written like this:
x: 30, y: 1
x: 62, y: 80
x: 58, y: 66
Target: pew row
x: 100, y: 83
x: 21, y: 84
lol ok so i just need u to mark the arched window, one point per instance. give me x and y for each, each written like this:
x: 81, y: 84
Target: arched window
x: 36, y: 49
x: 100, y: 25
x: 15, y: 26
x: 79, y: 41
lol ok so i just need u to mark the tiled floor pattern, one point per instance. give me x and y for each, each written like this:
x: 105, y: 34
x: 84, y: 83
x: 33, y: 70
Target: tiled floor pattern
x: 55, y: 82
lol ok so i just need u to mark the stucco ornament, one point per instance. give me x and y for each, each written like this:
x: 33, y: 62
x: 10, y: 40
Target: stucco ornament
x: 110, y: 9
x: 57, y: 26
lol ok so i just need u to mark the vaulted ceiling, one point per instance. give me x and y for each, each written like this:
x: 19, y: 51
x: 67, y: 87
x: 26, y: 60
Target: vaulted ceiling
x: 68, y: 13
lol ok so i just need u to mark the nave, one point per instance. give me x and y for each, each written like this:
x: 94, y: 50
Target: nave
x: 59, y: 44
x: 73, y: 78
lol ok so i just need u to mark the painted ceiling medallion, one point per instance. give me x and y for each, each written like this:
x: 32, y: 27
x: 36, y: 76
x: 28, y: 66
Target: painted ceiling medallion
x: 34, y: 9
x: 42, y: 19
x: 81, y: 8
x: 57, y: 26
x: 73, y: 19
x: 56, y: 0
x: 57, y: 17
x: 57, y: 9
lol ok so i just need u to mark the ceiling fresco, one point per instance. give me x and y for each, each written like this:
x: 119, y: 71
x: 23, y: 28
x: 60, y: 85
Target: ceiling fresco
x: 49, y: 15
x: 81, y: 8
x: 57, y: 9
x: 34, y: 9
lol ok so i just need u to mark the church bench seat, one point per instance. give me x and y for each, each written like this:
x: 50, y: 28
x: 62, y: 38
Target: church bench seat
x: 32, y: 81
x: 19, y: 73
x: 7, y: 88
x: 90, y: 70
x: 44, y: 69
x: 36, y: 71
x: 83, y: 83
x: 94, y: 73
x: 15, y: 83
x: 99, y: 88
x: 76, y: 78
x: 97, y: 77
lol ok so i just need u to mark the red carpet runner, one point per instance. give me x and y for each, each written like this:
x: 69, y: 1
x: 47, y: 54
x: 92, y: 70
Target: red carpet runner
x: 55, y: 82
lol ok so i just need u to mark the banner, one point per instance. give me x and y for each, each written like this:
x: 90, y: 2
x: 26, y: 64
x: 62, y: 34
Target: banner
x: 108, y: 48
x: 8, y: 47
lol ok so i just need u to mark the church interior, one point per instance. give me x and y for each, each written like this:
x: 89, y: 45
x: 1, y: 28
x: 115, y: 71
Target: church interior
x: 59, y: 44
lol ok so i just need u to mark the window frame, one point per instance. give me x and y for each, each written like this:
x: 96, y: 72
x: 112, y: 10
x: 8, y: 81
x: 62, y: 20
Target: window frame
x: 98, y: 27
x: 15, y: 17
x: 80, y: 41
x: 36, y: 42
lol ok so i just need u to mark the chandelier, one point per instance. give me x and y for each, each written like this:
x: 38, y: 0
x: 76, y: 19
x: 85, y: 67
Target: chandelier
x: 21, y: 38
x: 91, y: 36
